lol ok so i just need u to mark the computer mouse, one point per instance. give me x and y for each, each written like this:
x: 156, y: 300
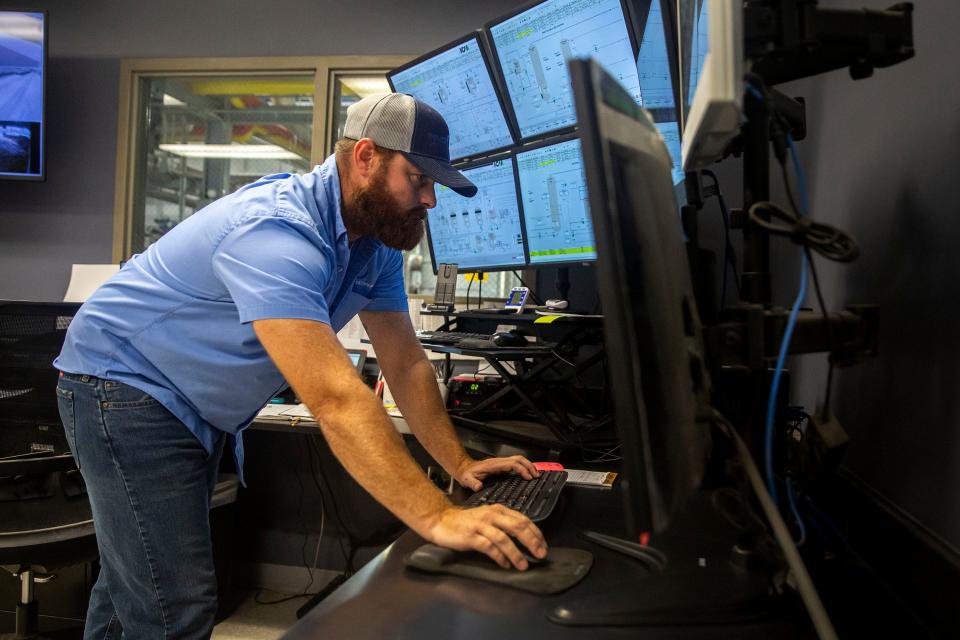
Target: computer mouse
x: 509, y: 339
x: 534, y: 561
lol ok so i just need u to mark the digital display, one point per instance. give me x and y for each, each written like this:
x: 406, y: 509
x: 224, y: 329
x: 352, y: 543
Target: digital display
x: 481, y: 232
x: 696, y: 37
x: 21, y: 94
x: 653, y: 63
x: 457, y: 83
x: 555, y: 205
x: 656, y: 89
x: 533, y: 48
x: 517, y: 296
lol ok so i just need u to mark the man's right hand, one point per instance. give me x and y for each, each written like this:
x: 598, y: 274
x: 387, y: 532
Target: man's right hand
x: 492, y: 530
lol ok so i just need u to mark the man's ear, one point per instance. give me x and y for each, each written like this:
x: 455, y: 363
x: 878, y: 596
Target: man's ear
x: 365, y: 157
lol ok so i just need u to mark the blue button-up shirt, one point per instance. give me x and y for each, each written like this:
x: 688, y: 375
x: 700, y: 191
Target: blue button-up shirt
x: 175, y: 321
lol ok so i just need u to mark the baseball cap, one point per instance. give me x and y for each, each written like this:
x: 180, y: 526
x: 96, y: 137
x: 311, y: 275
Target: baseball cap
x: 401, y: 122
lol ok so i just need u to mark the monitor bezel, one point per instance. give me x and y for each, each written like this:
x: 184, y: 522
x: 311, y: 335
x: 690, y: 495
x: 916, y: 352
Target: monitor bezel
x: 523, y: 231
x: 712, y: 120
x: 478, y: 37
x: 647, y: 504
x: 533, y: 146
x: 498, y: 68
x: 45, y: 52
x: 361, y: 358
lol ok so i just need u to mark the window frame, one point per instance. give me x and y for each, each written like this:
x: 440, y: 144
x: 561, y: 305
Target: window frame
x: 133, y: 71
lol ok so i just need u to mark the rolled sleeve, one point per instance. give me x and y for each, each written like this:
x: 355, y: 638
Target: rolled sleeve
x: 275, y: 267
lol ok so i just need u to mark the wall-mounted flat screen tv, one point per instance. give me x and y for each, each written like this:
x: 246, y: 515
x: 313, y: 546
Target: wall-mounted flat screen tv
x: 23, y: 57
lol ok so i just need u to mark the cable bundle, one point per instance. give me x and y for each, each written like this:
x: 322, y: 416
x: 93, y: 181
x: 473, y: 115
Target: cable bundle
x: 826, y: 240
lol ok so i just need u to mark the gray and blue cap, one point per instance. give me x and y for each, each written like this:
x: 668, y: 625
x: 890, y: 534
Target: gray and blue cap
x: 414, y: 128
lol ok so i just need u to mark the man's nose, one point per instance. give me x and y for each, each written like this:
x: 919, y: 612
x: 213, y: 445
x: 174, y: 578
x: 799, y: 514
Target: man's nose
x: 428, y: 197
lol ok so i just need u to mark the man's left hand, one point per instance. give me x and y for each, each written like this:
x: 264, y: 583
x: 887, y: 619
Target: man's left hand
x: 471, y: 473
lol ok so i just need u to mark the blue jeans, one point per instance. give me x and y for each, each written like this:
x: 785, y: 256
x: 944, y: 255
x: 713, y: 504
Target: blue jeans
x: 149, y: 481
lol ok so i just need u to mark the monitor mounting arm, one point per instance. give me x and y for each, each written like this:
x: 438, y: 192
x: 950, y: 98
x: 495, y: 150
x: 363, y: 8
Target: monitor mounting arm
x: 791, y: 39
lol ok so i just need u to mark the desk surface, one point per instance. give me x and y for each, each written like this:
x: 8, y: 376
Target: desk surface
x: 385, y: 600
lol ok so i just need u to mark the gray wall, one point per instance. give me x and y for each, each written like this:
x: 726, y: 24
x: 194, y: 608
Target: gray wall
x: 45, y: 227
x: 882, y: 159
x: 883, y: 162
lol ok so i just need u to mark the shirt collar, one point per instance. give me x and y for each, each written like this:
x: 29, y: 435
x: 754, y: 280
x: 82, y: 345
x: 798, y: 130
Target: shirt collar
x: 330, y: 179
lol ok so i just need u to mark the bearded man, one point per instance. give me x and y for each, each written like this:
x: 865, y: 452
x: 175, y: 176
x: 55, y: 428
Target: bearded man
x: 172, y: 358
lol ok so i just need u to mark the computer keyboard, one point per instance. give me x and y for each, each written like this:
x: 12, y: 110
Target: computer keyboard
x: 450, y: 337
x: 533, y: 498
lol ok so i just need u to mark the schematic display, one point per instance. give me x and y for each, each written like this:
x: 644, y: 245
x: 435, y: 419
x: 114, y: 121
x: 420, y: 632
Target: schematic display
x: 457, y: 83
x: 670, y: 131
x: 533, y: 48
x: 481, y: 232
x: 556, y: 212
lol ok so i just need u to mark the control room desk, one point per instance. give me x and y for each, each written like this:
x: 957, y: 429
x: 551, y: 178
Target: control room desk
x: 385, y: 600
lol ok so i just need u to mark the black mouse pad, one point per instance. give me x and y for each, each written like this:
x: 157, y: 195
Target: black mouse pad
x: 565, y: 568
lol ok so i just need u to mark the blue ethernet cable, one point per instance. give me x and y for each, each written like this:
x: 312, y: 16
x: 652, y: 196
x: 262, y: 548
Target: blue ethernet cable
x: 787, y: 335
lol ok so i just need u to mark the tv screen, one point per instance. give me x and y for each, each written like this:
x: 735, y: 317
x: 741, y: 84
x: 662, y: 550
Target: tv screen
x: 23, y: 38
x: 456, y: 81
x: 556, y: 211
x: 481, y: 233
x: 533, y: 45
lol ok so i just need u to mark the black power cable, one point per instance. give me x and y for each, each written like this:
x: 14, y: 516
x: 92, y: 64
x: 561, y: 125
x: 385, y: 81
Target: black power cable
x: 729, y: 256
x: 828, y: 328
x: 825, y: 239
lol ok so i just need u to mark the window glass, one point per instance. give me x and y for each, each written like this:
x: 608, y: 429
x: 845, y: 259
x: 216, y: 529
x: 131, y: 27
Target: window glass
x: 202, y: 137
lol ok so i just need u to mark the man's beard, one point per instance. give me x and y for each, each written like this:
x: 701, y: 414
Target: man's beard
x: 376, y: 213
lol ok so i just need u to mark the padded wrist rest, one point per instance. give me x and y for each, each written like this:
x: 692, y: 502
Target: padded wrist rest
x: 565, y: 568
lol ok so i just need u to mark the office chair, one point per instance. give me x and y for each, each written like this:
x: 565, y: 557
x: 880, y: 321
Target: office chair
x: 45, y: 518
x: 47, y: 525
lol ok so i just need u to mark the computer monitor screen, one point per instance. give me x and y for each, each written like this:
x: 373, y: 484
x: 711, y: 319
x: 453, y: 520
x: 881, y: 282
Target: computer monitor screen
x: 711, y: 53
x: 532, y: 47
x: 556, y: 211
x: 482, y: 233
x: 23, y: 37
x: 694, y: 44
x: 653, y: 344
x: 457, y: 82
x: 656, y: 85
x: 357, y: 357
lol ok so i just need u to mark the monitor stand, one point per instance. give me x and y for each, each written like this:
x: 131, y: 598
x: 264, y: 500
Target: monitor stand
x: 693, y: 597
x: 702, y: 577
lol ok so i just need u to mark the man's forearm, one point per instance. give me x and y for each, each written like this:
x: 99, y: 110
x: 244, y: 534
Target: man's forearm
x: 419, y: 400
x: 371, y: 450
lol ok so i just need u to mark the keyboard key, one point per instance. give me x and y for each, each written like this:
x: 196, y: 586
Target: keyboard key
x: 534, y: 498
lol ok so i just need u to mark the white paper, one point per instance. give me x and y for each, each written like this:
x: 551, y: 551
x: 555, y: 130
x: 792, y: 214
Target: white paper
x: 87, y: 278
x: 593, y: 478
x: 272, y: 410
x: 296, y: 411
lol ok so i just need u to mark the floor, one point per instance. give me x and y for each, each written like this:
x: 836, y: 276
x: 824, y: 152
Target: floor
x: 255, y: 621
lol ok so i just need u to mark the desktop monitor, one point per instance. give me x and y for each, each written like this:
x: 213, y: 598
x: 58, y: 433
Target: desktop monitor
x: 456, y: 81
x: 655, y: 69
x: 711, y: 53
x: 556, y: 210
x: 531, y: 47
x: 358, y: 357
x: 23, y: 57
x: 482, y: 233
x: 655, y: 354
